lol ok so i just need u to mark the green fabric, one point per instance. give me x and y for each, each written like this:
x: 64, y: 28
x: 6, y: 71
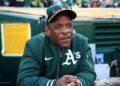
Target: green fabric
x: 37, y: 3
x: 85, y: 1
x: 115, y: 1
x: 39, y: 64
x: 27, y: 3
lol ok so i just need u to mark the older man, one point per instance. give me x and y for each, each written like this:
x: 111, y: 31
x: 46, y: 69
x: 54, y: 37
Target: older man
x: 57, y: 57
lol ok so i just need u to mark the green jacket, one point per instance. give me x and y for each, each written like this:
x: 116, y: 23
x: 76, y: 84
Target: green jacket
x: 43, y: 63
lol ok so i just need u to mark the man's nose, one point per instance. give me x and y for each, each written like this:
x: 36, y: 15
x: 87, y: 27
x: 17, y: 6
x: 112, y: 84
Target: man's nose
x: 66, y: 31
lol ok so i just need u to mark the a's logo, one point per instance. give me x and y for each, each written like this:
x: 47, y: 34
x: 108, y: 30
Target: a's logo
x: 46, y: 59
x: 71, y: 58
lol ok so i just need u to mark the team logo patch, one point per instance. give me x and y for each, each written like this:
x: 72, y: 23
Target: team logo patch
x: 71, y: 59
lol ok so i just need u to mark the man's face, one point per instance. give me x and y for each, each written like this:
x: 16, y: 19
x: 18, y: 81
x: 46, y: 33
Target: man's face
x: 60, y: 30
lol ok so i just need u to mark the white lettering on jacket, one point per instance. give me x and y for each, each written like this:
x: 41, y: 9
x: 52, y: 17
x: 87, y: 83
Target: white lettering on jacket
x: 71, y: 59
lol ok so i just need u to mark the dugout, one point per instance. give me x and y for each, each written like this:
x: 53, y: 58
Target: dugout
x: 104, y: 32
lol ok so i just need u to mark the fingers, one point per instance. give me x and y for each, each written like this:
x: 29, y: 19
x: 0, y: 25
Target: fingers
x: 69, y: 76
x: 71, y: 80
x: 68, y: 80
x: 71, y: 84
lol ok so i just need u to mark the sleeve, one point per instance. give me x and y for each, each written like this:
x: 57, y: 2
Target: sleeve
x: 86, y: 73
x: 30, y: 70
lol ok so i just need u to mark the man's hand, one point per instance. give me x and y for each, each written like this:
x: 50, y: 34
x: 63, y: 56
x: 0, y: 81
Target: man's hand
x: 114, y: 63
x: 67, y: 80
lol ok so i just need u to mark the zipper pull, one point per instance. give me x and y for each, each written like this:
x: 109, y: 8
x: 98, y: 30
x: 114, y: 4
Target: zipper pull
x: 60, y: 54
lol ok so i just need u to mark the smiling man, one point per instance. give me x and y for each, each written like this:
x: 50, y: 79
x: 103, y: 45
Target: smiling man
x: 57, y: 57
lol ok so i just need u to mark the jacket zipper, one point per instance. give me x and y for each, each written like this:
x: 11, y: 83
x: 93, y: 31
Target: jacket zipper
x: 58, y: 68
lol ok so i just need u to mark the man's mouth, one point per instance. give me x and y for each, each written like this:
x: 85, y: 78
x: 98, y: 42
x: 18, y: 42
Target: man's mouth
x: 67, y: 39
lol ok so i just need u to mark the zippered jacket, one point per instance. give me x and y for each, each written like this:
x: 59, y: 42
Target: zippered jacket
x: 43, y: 63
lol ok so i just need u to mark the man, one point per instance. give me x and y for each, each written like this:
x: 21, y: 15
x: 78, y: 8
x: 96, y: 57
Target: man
x: 58, y: 57
x: 115, y: 64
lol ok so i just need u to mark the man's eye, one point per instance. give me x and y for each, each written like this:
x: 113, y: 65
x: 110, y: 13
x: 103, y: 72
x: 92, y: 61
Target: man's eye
x: 69, y: 25
x: 58, y: 26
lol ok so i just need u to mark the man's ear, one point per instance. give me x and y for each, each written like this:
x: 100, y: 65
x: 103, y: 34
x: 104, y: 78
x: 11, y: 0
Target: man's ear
x: 47, y: 30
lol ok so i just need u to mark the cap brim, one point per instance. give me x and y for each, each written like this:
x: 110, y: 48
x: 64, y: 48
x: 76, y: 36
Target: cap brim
x: 70, y: 13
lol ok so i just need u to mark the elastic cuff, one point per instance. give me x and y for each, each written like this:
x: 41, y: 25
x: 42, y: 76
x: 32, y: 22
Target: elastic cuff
x: 51, y: 82
x: 80, y: 84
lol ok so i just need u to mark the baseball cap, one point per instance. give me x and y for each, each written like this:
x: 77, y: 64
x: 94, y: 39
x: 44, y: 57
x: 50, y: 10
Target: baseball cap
x: 54, y: 10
